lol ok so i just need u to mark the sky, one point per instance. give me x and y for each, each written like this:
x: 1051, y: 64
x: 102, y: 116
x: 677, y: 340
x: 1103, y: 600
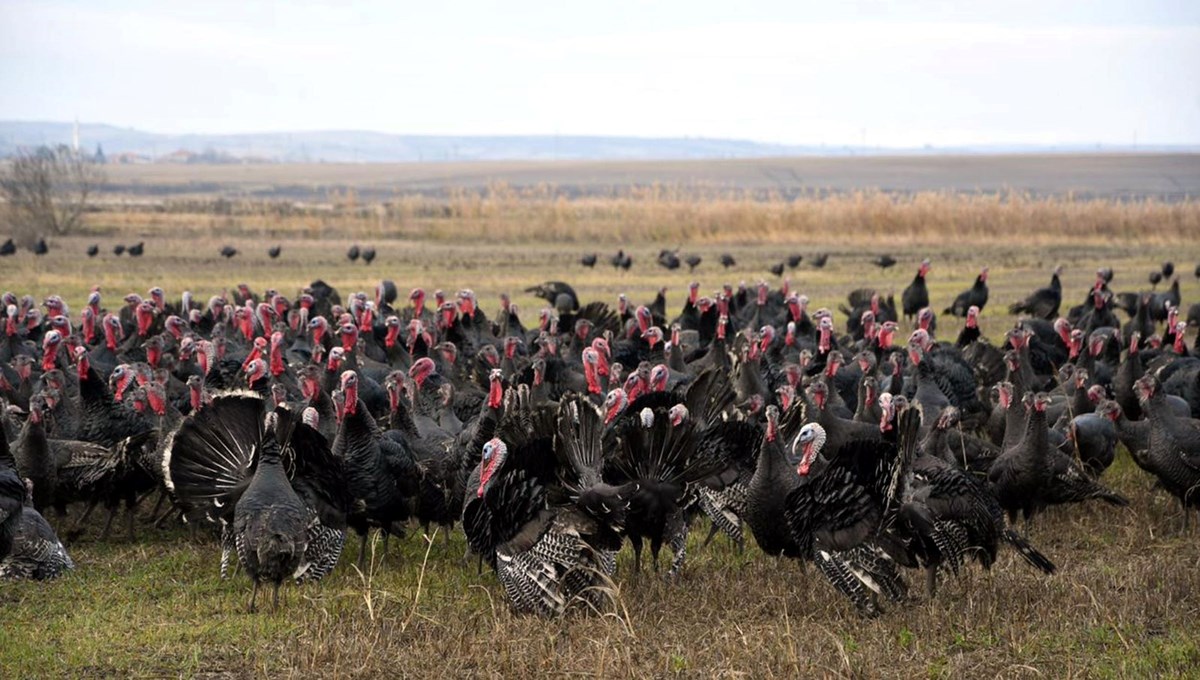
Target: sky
x: 890, y: 74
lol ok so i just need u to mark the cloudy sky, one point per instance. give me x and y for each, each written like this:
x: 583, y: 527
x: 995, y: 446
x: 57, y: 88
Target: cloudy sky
x: 887, y: 73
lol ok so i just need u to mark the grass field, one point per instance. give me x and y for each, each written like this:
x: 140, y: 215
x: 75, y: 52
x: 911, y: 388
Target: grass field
x: 1125, y: 603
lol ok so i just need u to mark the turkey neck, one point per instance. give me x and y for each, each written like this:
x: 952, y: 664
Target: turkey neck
x: 1127, y: 373
x: 934, y: 444
x: 33, y: 438
x: 401, y: 418
x: 1162, y: 421
x: 770, y: 471
x: 1036, y: 437
x: 270, y: 463
x: 1014, y: 425
x: 38, y: 465
x: 1022, y: 379
x: 359, y: 424
x: 1080, y: 404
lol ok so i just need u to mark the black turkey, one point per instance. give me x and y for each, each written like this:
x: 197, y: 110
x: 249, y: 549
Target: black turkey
x: 774, y: 477
x: 975, y: 296
x: 233, y: 446
x: 1030, y: 474
x: 540, y: 512
x: 382, y: 475
x: 1173, y: 451
x: 1042, y: 303
x: 12, y: 495
x: 953, y: 516
x: 841, y: 512
x: 916, y: 296
x: 271, y: 525
x: 36, y: 553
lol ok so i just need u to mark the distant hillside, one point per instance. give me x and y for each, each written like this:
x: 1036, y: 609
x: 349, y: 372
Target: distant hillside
x: 350, y: 146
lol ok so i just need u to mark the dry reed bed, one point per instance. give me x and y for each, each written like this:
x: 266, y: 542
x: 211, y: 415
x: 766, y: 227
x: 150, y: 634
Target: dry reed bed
x: 674, y: 216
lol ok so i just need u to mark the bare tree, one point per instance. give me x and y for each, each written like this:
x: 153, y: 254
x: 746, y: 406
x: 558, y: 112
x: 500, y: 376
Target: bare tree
x: 47, y: 191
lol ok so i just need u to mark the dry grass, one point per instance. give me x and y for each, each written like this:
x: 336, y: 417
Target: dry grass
x: 1124, y: 604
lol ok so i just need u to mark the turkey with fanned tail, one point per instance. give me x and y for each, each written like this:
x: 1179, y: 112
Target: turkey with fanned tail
x: 842, y: 512
x: 541, y: 513
x: 253, y: 475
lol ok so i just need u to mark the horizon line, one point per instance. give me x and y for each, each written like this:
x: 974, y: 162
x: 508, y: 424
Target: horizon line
x: 1073, y: 145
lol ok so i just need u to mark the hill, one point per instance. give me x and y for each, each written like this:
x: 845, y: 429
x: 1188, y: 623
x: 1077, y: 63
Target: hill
x: 356, y: 146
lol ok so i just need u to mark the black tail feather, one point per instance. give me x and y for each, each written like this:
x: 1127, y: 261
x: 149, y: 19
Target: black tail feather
x: 579, y: 447
x: 212, y: 455
x: 1029, y: 553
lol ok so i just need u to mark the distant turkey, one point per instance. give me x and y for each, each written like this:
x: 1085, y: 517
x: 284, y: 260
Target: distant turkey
x: 916, y: 296
x: 975, y: 296
x: 884, y: 261
x: 1043, y: 302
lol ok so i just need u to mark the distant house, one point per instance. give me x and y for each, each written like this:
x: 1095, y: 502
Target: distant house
x: 179, y: 156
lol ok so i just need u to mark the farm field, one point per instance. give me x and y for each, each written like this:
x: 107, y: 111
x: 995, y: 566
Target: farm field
x: 1124, y: 603
x: 1099, y: 175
